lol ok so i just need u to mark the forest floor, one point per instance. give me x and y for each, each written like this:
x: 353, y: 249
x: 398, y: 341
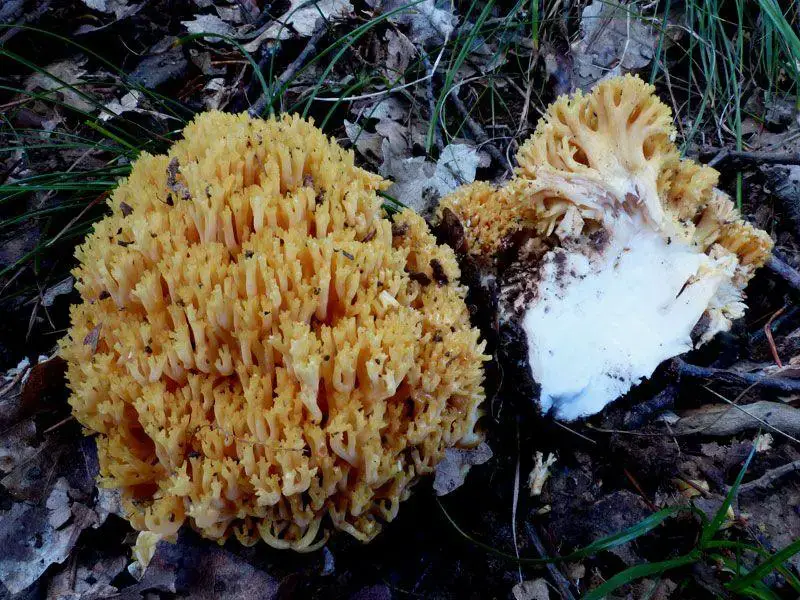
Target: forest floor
x: 430, y: 95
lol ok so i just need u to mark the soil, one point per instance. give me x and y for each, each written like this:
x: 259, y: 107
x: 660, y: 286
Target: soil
x: 612, y: 471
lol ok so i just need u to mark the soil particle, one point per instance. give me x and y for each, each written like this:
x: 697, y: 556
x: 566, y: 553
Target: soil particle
x: 598, y: 240
x: 439, y: 274
x: 451, y: 231
x: 399, y: 229
x: 420, y: 278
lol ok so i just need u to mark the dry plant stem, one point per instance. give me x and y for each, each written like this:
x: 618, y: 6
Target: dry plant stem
x: 778, y: 384
x: 770, y: 477
x: 789, y: 314
x: 640, y: 414
x: 737, y: 157
x: 477, y: 131
x: 771, y: 340
x: 639, y: 490
x: 560, y: 580
x: 298, y: 63
x: 790, y: 275
x: 724, y: 420
x: 429, y: 96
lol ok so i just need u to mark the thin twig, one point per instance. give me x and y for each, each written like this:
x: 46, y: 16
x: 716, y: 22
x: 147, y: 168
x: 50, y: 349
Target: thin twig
x: 639, y: 489
x: 738, y: 157
x: 770, y: 339
x: 770, y: 477
x: 731, y: 419
x: 562, y: 583
x: 393, y: 88
x: 786, y: 272
x: 429, y: 95
x: 311, y: 48
x: 477, y: 131
x: 778, y: 384
x: 760, y: 335
x: 514, y: 505
x: 645, y: 411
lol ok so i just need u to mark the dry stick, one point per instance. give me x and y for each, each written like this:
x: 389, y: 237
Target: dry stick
x: 562, y: 583
x: 725, y: 420
x: 789, y: 314
x: 294, y: 66
x: 429, y: 70
x: 783, y: 270
x: 32, y: 16
x: 778, y: 384
x: 770, y: 477
x: 771, y: 340
x: 762, y: 158
x: 477, y: 131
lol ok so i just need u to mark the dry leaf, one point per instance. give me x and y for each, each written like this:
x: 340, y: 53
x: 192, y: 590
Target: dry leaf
x: 615, y: 40
x: 455, y: 465
x: 531, y: 590
x: 420, y: 183
x: 119, y: 8
x: 33, y: 536
x: 62, y: 287
x: 209, y: 24
x: 71, y: 72
x: 428, y: 24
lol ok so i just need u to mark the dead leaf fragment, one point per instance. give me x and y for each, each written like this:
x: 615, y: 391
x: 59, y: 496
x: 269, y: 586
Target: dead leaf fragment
x: 209, y: 24
x: 192, y: 568
x: 429, y: 24
x: 165, y: 62
x: 119, y: 8
x: 90, y: 580
x: 420, y: 183
x: 33, y: 537
x: 93, y: 337
x: 616, y: 39
x: 452, y: 470
x: 302, y: 17
x: 62, y: 74
x: 535, y: 589
x: 62, y: 287
x: 399, y: 54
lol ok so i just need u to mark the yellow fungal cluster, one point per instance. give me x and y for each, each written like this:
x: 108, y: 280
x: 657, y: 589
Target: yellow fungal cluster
x: 608, y: 150
x: 259, y: 350
x: 627, y: 254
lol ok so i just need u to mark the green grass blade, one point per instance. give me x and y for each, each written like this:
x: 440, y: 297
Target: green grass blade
x: 787, y: 574
x: 348, y: 41
x: 202, y: 35
x: 711, y: 529
x: 612, y: 541
x: 765, y: 568
x: 451, y: 73
x: 638, y: 572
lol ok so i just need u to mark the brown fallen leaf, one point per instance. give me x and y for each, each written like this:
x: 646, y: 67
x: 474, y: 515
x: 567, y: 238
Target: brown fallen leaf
x: 93, y: 337
x: 450, y: 473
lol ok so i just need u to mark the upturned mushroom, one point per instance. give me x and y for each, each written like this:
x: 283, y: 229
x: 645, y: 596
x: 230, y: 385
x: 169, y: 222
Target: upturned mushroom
x: 611, y: 251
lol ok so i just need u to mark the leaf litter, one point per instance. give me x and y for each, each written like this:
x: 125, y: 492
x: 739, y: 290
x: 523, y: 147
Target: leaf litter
x: 70, y: 544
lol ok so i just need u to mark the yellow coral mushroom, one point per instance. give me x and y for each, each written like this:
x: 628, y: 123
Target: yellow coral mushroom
x: 259, y: 349
x: 641, y: 245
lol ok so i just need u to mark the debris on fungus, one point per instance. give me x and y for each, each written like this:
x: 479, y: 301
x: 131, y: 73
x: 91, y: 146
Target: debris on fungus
x: 257, y: 349
x: 630, y: 252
